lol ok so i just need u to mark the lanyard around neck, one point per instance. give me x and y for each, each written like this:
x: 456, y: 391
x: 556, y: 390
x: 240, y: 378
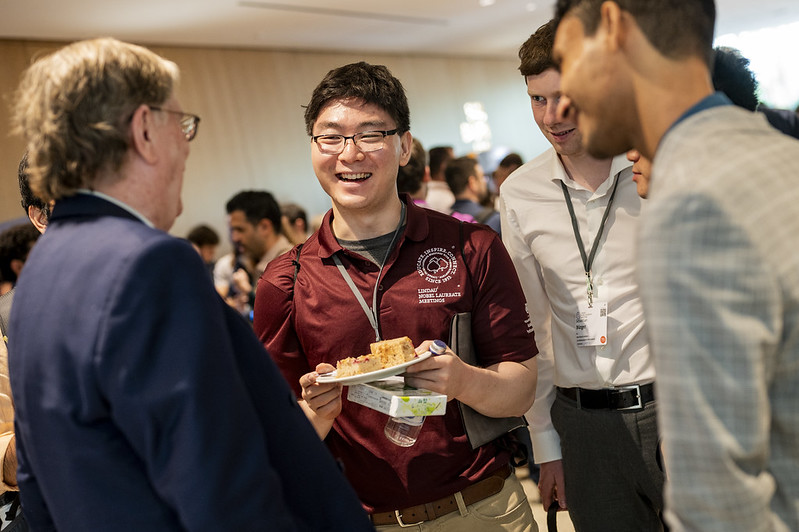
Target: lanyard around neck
x: 371, y: 312
x: 588, y: 261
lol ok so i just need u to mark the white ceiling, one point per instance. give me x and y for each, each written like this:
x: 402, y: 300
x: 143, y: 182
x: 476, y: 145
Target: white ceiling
x: 439, y: 27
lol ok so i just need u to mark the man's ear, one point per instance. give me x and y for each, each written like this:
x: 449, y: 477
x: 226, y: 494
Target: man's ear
x: 406, y: 144
x: 474, y: 183
x: 613, y: 23
x: 266, y: 225
x: 142, y: 132
x: 38, y: 218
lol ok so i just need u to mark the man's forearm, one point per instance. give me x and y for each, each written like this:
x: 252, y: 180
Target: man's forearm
x: 504, y: 389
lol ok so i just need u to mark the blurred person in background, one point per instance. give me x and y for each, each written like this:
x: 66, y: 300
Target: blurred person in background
x: 205, y: 240
x: 439, y: 196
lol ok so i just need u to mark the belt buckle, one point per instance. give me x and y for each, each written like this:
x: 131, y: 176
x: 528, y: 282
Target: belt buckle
x: 403, y: 524
x: 637, y: 388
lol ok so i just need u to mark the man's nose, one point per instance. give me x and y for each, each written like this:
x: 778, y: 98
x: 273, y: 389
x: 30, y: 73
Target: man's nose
x: 551, y: 113
x: 566, y: 110
x: 351, y: 151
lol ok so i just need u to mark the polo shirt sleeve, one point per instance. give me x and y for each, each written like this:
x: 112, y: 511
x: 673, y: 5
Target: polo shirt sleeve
x: 273, y: 320
x: 501, y: 328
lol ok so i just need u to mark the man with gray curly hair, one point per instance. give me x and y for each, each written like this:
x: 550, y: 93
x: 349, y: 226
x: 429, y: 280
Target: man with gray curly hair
x: 149, y: 404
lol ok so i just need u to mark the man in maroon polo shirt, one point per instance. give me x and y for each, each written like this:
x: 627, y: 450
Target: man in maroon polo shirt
x: 413, y: 269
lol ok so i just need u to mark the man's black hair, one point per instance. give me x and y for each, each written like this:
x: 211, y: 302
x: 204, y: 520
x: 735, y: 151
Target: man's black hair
x: 256, y: 206
x: 372, y: 84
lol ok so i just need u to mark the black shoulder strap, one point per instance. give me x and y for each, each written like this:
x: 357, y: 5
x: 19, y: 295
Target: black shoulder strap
x: 296, y: 263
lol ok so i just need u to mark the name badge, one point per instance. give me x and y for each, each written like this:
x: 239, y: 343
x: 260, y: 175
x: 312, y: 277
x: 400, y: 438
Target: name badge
x: 591, y: 324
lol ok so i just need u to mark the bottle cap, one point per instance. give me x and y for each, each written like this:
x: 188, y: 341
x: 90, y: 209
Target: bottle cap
x: 438, y: 347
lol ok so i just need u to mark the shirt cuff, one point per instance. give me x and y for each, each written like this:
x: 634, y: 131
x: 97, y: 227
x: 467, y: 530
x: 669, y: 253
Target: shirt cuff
x: 546, y: 446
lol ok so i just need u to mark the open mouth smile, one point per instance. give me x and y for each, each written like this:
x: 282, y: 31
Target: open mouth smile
x: 562, y: 133
x: 362, y: 176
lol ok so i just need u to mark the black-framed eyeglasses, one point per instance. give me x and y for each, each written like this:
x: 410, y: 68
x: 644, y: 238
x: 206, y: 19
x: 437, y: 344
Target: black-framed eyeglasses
x: 366, y: 141
x: 188, y: 122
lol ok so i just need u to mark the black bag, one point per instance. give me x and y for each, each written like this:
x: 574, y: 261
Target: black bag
x: 10, y: 499
x: 480, y: 429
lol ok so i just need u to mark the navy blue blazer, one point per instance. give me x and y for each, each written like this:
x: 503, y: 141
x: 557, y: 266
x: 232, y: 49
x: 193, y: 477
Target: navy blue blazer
x: 143, y: 402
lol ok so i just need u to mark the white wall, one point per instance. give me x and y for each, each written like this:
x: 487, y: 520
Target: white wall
x: 252, y: 133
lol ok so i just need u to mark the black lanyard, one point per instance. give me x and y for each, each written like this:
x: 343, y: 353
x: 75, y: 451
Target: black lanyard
x: 371, y: 312
x: 589, y: 260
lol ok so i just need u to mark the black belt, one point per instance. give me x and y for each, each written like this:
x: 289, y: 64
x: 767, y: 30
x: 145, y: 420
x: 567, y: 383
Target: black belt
x: 630, y: 397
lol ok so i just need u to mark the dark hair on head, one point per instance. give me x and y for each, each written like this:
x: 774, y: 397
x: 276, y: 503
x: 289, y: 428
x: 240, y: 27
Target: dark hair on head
x: 439, y: 157
x: 203, y: 235
x: 29, y: 199
x: 294, y: 212
x: 256, y: 206
x: 731, y: 75
x: 411, y: 176
x: 15, y: 244
x: 676, y: 28
x: 372, y: 84
x: 536, y: 52
x: 511, y: 159
x: 458, y: 172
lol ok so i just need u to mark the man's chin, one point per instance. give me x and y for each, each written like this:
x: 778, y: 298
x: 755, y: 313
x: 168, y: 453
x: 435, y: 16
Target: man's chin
x: 598, y: 147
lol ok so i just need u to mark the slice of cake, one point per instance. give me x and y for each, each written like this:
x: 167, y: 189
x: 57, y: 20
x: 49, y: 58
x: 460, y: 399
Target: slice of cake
x: 348, y: 367
x: 394, y: 351
x: 384, y: 354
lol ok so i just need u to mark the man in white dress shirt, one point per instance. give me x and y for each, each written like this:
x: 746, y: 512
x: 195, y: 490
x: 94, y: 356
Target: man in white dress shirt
x: 593, y: 423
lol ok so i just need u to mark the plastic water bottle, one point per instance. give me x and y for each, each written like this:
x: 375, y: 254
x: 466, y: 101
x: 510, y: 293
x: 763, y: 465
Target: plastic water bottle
x: 404, y: 431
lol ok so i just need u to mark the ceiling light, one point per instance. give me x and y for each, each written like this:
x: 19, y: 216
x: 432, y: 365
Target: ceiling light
x: 486, y: 3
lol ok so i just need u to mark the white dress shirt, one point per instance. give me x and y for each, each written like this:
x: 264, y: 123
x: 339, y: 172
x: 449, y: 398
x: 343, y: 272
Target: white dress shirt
x: 439, y: 197
x: 537, y: 231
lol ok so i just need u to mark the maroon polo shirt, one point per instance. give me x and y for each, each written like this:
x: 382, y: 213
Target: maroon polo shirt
x: 425, y: 282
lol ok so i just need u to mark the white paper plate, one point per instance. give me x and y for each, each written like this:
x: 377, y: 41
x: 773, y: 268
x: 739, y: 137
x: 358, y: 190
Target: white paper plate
x: 372, y: 375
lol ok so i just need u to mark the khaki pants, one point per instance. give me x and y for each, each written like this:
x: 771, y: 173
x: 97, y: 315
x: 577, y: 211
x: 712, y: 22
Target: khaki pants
x: 508, y: 510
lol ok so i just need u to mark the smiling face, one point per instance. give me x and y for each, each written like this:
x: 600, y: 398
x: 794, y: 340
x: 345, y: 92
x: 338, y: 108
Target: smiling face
x: 544, y: 92
x: 597, y: 87
x: 356, y: 181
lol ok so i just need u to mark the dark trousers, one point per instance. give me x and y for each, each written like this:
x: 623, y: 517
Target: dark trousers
x: 612, y: 479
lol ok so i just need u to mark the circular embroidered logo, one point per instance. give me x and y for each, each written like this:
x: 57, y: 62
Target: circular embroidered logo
x: 437, y: 265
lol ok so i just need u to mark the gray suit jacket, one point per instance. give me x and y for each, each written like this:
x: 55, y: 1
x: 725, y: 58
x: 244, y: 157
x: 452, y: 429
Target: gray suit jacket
x: 719, y: 270
x: 5, y: 309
